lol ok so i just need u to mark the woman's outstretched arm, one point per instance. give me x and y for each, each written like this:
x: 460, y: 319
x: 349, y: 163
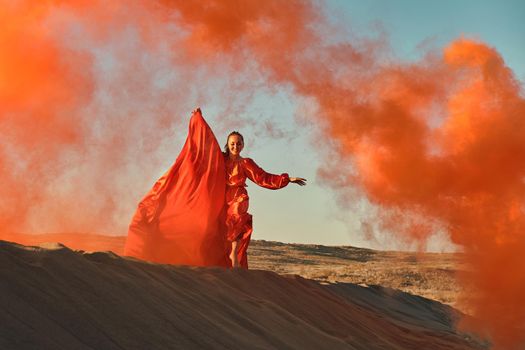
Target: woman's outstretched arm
x: 267, y: 180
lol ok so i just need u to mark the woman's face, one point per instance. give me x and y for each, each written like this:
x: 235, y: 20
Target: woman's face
x: 235, y: 145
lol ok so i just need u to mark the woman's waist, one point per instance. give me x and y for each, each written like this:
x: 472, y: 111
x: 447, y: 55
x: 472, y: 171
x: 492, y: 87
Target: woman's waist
x: 236, y: 184
x: 235, y: 191
x: 240, y: 189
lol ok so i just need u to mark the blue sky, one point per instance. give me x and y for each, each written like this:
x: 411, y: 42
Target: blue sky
x: 411, y: 24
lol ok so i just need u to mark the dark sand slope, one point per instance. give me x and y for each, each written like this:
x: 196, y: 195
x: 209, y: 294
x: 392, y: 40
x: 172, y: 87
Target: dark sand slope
x: 56, y: 298
x: 431, y: 275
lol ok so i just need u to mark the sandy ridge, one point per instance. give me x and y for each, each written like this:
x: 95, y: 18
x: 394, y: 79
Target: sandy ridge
x: 57, y: 298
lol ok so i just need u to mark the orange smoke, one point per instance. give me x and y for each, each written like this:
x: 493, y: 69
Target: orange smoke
x: 436, y: 145
x: 39, y: 92
x: 465, y: 168
x: 82, y: 113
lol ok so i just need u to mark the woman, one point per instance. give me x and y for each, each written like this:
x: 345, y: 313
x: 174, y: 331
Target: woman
x: 191, y: 216
x: 238, y: 221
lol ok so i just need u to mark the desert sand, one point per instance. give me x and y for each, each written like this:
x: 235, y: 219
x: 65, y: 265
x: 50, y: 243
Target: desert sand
x: 56, y: 298
x: 431, y: 275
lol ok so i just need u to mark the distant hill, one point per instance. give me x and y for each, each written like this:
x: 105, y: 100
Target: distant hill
x: 432, y: 275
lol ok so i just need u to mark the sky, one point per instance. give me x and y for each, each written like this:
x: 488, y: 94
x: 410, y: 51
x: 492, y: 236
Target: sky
x: 126, y: 120
x: 311, y: 214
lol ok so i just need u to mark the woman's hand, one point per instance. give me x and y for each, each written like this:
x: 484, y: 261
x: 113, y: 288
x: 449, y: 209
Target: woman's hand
x: 298, y: 180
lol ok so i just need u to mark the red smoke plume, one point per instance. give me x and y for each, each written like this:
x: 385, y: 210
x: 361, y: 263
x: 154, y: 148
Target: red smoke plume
x: 41, y: 88
x: 445, y: 143
x: 437, y: 144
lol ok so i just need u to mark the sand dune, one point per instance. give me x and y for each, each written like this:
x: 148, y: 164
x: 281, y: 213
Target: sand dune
x: 427, y: 274
x: 77, y: 241
x: 56, y: 298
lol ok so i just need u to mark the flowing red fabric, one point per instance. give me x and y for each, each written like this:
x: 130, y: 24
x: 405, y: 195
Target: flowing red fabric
x: 182, y: 219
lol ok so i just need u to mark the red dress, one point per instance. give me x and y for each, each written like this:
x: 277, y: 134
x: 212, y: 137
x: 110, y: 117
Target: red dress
x: 238, y: 220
